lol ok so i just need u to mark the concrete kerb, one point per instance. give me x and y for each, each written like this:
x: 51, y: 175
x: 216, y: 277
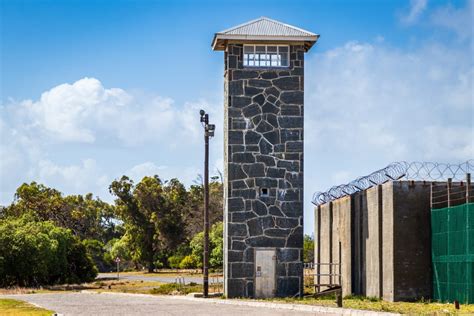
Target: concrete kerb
x: 285, y: 306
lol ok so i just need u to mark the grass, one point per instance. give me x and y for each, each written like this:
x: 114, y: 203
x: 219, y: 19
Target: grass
x: 376, y: 304
x: 167, y: 273
x: 120, y: 286
x: 126, y: 286
x: 19, y: 308
x: 148, y: 287
x: 176, y: 289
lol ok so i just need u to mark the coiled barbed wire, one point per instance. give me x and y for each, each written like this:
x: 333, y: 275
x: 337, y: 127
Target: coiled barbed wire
x: 427, y: 171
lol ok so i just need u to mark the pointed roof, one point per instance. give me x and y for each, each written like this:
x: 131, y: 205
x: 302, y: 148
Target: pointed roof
x: 263, y: 29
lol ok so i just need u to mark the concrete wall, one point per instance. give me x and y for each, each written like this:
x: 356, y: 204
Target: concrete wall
x: 334, y: 220
x: 385, y: 237
x: 412, y: 240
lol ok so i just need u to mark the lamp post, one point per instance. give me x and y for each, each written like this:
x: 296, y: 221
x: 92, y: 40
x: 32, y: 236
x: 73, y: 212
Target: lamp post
x: 208, y: 132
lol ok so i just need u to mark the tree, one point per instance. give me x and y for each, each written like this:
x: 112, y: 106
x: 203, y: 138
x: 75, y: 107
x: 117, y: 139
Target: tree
x: 153, y: 215
x: 308, y: 249
x: 85, y: 216
x: 36, y: 253
x: 195, y: 215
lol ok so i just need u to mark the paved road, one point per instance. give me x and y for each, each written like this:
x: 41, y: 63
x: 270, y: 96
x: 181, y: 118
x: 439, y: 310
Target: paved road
x: 132, y: 304
x: 158, y: 278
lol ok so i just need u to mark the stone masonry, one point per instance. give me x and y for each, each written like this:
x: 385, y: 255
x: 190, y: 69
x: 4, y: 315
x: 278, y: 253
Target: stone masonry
x: 263, y: 171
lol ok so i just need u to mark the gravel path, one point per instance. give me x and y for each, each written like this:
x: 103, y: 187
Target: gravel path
x: 132, y: 304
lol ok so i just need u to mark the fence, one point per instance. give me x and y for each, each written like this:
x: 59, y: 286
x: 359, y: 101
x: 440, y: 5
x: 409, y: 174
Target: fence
x: 452, y: 229
x: 424, y: 171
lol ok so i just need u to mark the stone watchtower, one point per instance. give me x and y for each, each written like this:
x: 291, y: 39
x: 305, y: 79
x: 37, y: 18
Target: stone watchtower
x: 263, y: 157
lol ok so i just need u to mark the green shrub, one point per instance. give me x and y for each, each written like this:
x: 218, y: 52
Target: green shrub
x: 190, y: 262
x: 36, y: 253
x: 174, y: 261
x: 173, y: 288
x: 158, y: 264
x: 97, y: 252
x: 215, y: 244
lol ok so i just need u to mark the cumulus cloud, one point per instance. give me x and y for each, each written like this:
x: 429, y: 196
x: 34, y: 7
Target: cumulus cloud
x: 187, y: 174
x: 136, y: 173
x: 69, y: 112
x: 87, y: 112
x: 415, y: 10
x: 84, y: 177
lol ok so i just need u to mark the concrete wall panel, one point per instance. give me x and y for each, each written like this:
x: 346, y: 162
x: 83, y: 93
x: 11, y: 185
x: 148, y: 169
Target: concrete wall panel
x: 387, y: 242
x: 372, y: 242
x: 412, y: 240
x: 342, y: 225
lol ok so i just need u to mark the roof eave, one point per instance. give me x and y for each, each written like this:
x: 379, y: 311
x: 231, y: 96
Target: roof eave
x: 219, y: 40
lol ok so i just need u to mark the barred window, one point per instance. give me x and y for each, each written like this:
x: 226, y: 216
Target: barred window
x: 266, y: 56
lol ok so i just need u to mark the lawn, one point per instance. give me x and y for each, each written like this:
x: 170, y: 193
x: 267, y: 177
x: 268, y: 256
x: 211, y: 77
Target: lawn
x: 19, y: 308
x: 149, y: 287
x: 167, y: 273
x: 374, y: 304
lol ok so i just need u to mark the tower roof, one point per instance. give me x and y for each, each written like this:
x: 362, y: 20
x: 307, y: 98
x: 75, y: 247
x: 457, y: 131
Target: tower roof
x: 263, y: 30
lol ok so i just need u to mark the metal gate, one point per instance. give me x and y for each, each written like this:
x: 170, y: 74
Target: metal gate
x: 265, y: 272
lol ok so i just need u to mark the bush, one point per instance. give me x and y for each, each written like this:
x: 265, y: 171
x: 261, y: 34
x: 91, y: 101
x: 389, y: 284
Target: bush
x: 174, y: 261
x: 190, y: 262
x: 36, y: 253
x: 216, y: 244
x: 173, y: 288
x: 96, y: 251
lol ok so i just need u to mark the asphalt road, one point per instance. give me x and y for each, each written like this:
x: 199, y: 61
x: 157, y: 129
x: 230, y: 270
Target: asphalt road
x: 132, y: 304
x: 157, y: 278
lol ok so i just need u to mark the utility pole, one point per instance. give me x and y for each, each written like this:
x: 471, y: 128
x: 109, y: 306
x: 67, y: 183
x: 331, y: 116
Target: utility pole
x: 208, y: 132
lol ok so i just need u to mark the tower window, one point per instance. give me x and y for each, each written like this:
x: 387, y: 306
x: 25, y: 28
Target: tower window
x: 266, y: 56
x: 264, y: 192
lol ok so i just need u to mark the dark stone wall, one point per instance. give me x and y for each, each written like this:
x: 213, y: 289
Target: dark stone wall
x: 263, y: 150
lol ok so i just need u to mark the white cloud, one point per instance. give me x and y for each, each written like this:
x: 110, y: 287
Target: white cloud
x: 87, y: 112
x: 186, y: 174
x: 52, y: 139
x: 136, y: 173
x: 458, y: 20
x: 416, y: 9
x: 68, y: 112
x: 82, y: 178
x: 378, y: 101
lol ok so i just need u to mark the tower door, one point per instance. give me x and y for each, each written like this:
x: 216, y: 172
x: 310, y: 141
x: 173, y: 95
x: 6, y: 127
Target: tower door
x: 265, y: 277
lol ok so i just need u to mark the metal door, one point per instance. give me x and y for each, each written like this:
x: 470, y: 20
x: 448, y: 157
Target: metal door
x: 265, y: 268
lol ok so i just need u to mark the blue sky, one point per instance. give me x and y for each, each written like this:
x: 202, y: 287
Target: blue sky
x: 91, y: 90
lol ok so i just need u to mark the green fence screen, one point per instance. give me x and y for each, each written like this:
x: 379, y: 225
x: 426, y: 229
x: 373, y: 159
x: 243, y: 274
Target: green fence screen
x: 453, y: 253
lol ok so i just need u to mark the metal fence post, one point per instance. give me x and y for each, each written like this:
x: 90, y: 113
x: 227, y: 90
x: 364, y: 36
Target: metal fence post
x: 468, y: 187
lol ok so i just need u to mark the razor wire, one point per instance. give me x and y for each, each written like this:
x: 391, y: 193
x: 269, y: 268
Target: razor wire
x: 420, y: 171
